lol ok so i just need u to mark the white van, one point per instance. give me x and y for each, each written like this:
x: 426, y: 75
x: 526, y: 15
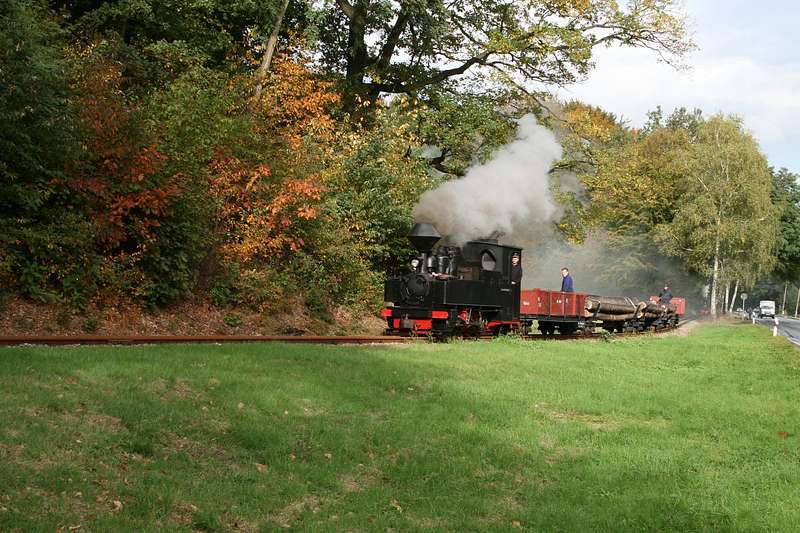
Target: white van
x: 766, y: 308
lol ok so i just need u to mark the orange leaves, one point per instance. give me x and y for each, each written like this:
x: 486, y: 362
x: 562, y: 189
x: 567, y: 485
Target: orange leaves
x: 256, y: 217
x: 262, y: 212
x: 235, y: 185
x: 295, y: 104
x: 292, y: 196
x: 589, y: 122
x: 119, y: 173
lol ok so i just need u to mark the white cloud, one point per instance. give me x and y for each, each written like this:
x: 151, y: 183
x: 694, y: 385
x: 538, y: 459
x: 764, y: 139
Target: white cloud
x: 744, y: 68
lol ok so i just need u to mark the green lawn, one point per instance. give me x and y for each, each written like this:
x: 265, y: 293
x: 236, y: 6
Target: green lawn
x: 643, y: 434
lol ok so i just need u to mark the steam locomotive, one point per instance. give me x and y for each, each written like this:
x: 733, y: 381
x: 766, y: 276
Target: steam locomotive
x: 470, y: 291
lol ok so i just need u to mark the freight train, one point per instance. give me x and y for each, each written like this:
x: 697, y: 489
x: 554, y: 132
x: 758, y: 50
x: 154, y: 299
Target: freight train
x: 471, y: 291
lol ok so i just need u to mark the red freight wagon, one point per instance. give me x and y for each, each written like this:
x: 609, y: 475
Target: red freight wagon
x: 555, y: 304
x: 679, y: 303
x: 552, y: 310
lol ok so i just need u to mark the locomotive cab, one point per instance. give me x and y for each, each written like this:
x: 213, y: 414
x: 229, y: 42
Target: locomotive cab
x: 456, y: 290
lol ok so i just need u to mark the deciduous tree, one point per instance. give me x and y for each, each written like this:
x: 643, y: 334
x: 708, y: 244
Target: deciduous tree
x: 380, y: 46
x: 725, y: 216
x: 786, y: 196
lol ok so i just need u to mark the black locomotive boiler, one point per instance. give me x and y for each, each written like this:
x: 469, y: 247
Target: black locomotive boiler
x: 459, y: 290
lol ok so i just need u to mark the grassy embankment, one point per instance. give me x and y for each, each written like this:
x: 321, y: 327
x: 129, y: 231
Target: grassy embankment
x: 675, y: 433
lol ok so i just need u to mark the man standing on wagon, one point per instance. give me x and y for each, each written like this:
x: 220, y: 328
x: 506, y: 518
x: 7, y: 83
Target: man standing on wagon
x: 566, y: 281
x: 665, y: 296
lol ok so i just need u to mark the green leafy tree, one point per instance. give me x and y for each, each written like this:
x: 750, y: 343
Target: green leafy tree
x: 725, y: 217
x: 786, y: 196
x: 377, y: 181
x: 630, y: 182
x: 38, y: 234
x: 162, y: 39
x: 458, y: 130
x: 379, y: 46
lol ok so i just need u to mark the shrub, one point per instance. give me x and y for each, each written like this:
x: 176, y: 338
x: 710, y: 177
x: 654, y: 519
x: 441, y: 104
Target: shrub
x: 233, y: 320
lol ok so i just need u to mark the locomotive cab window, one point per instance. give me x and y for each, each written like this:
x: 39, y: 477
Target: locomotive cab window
x: 488, y: 262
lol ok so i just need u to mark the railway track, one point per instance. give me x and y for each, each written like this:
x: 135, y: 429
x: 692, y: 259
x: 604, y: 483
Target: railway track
x: 67, y: 340
x: 193, y: 339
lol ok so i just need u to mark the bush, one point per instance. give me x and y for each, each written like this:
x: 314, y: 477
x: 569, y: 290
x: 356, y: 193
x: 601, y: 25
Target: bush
x: 232, y: 320
x: 90, y: 323
x: 50, y: 259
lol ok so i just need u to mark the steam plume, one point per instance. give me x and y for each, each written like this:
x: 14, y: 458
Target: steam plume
x: 501, y: 195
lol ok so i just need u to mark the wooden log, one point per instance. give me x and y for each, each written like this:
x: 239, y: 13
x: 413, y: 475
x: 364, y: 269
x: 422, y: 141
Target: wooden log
x: 611, y: 305
x: 614, y: 309
x: 660, y: 308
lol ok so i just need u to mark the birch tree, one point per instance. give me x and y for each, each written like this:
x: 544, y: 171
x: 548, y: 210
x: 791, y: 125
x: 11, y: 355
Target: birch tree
x: 725, y: 213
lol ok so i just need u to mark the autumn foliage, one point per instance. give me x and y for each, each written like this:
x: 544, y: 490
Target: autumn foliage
x: 119, y: 174
x: 262, y: 208
x: 296, y: 104
x: 258, y: 217
x: 171, y: 184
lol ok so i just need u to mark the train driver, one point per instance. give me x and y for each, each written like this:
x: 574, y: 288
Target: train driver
x: 566, y: 281
x: 516, y: 269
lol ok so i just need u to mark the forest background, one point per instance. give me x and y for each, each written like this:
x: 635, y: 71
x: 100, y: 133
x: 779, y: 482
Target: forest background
x: 253, y: 165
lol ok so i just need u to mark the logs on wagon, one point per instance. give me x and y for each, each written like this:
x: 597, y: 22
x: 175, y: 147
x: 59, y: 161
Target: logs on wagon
x: 615, y: 308
x: 660, y: 309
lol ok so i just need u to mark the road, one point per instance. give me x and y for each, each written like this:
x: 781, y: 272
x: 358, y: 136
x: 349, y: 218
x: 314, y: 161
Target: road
x: 788, y: 327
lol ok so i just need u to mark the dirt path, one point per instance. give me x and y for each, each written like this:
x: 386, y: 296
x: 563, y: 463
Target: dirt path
x: 686, y: 328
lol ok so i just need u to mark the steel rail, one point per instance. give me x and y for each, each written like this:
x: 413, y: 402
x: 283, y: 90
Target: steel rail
x: 68, y: 340
x: 64, y: 340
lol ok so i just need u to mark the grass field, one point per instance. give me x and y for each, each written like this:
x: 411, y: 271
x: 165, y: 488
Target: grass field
x: 674, y: 433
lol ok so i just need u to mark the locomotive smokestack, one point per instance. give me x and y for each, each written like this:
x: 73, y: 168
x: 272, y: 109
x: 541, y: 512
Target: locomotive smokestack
x: 423, y: 237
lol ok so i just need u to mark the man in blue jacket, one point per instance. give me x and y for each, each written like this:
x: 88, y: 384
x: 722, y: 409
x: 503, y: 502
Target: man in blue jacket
x: 566, y: 281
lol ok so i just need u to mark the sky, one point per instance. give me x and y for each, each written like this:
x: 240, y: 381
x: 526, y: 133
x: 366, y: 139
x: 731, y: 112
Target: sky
x: 748, y: 64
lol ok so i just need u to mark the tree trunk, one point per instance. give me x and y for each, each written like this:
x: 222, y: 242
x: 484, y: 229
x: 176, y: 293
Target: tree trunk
x: 797, y: 304
x: 727, y: 297
x: 735, y: 294
x: 783, y: 304
x: 266, y: 61
x: 357, y: 59
x: 715, y: 279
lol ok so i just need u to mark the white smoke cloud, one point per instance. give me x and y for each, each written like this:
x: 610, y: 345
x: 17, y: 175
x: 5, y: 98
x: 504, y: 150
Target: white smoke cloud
x: 509, y: 193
